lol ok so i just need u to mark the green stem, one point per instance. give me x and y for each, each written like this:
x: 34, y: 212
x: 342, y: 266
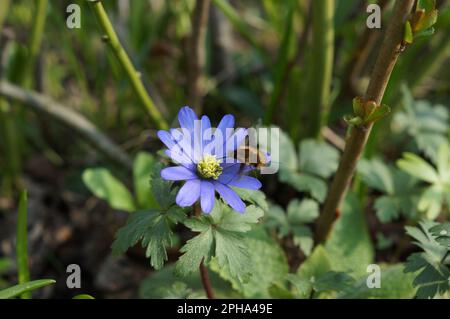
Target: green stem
x: 280, y: 66
x: 387, y: 58
x: 238, y: 23
x: 315, y: 108
x: 8, y: 130
x: 432, y: 64
x: 22, y: 243
x: 37, y: 33
x: 124, y: 60
x: 4, y: 8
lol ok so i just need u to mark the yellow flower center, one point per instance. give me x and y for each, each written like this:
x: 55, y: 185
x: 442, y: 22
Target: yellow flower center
x: 209, y: 167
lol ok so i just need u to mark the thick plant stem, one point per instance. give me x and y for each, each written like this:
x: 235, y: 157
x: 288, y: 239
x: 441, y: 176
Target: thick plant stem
x: 196, y: 54
x: 205, y: 281
x: 387, y: 58
x: 315, y: 109
x: 203, y: 270
x: 133, y: 75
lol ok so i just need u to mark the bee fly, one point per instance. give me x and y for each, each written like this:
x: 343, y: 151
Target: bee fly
x: 251, y: 156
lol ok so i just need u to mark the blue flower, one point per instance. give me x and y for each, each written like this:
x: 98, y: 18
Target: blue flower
x: 204, y: 161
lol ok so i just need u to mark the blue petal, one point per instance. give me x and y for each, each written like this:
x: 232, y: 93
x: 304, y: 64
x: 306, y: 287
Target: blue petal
x: 247, y: 182
x: 206, y: 125
x: 181, y: 159
x: 229, y: 172
x: 188, y: 193
x: 226, y: 122
x: 230, y: 197
x: 186, y: 118
x: 207, y: 197
x: 177, y: 173
x: 183, y: 140
x: 166, y: 138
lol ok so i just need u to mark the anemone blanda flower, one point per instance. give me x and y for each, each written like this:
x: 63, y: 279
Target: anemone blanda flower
x: 202, y: 156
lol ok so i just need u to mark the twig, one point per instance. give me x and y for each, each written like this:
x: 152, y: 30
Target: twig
x: 206, y: 282
x: 358, y: 63
x: 333, y: 138
x: 196, y: 54
x: 133, y: 75
x: 68, y: 117
x: 387, y: 58
x: 203, y: 270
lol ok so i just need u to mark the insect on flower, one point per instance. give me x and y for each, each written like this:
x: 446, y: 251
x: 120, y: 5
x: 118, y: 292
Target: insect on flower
x: 205, y: 161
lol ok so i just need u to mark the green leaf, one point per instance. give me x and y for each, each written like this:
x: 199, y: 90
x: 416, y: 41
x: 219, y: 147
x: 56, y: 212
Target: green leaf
x: 305, y: 183
x: 152, y: 227
x: 268, y: 265
x: 163, y: 284
x: 408, y: 35
x: 427, y: 5
x: 298, y: 214
x: 17, y: 290
x: 195, y: 250
x: 376, y: 175
x: 318, y: 263
x: 401, y: 190
x: 232, y: 255
x: 387, y: 209
x: 442, y: 161
x: 379, y: 113
x: 253, y: 196
x: 162, y: 190
x: 425, y: 32
x: 277, y: 220
x: 417, y: 167
x: 442, y: 234
x: 358, y: 106
x: 228, y: 219
x: 22, y: 243
x: 427, y: 124
x: 83, y: 296
x: 333, y: 281
x: 5, y: 265
x: 143, y: 167
x: 312, y: 150
x: 349, y: 245
x: 180, y: 290
x: 104, y: 185
x: 431, y: 202
x: 220, y: 237
x: 288, y: 155
x: 302, y: 236
x: 302, y: 212
x: 431, y: 280
x: 429, y: 267
x: 395, y: 284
